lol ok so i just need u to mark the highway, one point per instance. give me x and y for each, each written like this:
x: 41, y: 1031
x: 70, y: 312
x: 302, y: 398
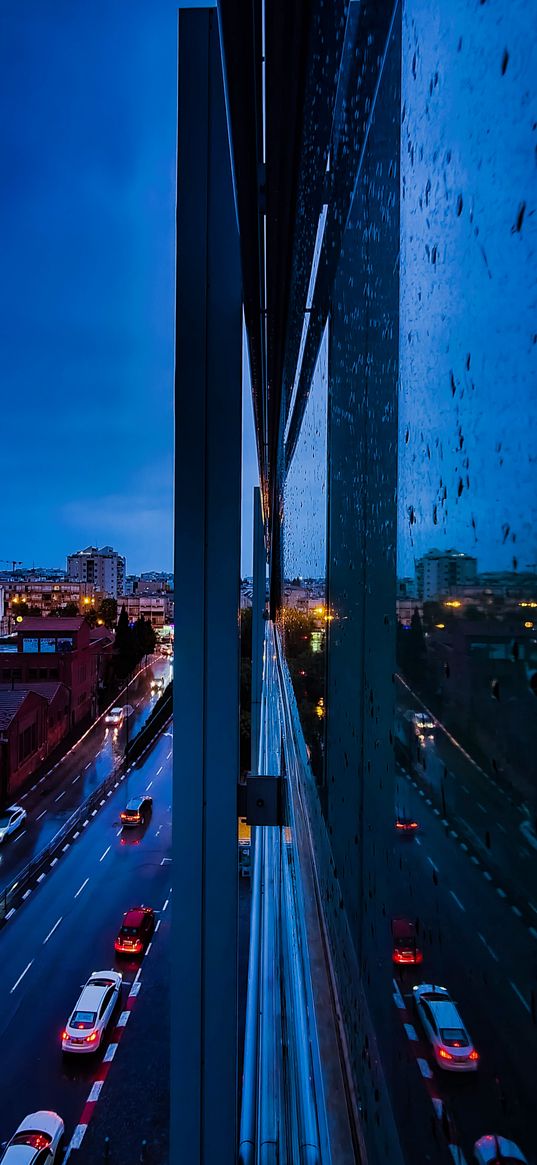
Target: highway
x: 63, y: 932
x: 56, y: 795
x: 479, y: 944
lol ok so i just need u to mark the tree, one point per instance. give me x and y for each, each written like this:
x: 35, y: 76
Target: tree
x: 108, y: 612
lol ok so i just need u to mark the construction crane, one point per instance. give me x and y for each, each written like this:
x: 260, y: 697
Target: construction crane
x: 12, y: 562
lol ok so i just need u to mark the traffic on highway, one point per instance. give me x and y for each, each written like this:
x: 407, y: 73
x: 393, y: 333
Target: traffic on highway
x: 460, y: 1040
x: 74, y: 950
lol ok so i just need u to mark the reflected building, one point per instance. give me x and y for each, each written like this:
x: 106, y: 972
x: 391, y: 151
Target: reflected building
x: 355, y: 189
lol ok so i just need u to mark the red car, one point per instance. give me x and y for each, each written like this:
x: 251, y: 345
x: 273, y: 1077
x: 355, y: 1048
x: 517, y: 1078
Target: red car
x: 405, y: 943
x: 136, y: 931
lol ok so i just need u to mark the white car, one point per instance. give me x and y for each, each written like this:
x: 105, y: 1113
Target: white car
x: 115, y: 717
x: 11, y: 820
x: 452, y: 1047
x: 88, y: 1022
x: 494, y: 1150
x: 38, y: 1141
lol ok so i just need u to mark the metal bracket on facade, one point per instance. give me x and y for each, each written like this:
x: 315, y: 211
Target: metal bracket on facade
x: 260, y: 800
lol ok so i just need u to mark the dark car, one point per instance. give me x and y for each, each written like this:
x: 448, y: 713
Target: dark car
x: 405, y: 943
x: 136, y: 930
x: 405, y: 824
x: 137, y: 810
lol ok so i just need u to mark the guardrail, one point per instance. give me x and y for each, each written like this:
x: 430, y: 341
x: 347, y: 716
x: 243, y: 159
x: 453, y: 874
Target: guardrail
x: 32, y: 874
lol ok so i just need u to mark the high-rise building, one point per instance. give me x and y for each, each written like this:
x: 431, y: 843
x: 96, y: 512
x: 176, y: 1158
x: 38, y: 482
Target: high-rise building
x: 103, y: 567
x: 439, y: 572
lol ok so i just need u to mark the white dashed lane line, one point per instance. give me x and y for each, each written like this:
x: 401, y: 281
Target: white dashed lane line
x: 110, y: 1053
x: 80, y: 889
x: 15, y: 985
x: 501, y: 892
x: 124, y: 1019
x: 431, y: 863
x: 520, y: 996
x: 43, y: 814
x: 74, y: 781
x: 95, y: 1091
x: 457, y: 900
x: 160, y: 770
x: 489, y: 949
x: 60, y: 795
x: 23, y: 834
x: 51, y: 932
x: 149, y: 785
x: 424, y: 1068
x: 107, y: 851
x: 411, y: 1031
x: 169, y: 754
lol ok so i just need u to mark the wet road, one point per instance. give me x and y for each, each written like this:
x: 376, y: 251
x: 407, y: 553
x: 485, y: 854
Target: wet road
x: 51, y: 801
x: 64, y: 931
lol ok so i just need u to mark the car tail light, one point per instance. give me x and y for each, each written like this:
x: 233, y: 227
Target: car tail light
x: 65, y: 1035
x: 91, y: 1038
x: 445, y: 1055
x: 473, y: 1055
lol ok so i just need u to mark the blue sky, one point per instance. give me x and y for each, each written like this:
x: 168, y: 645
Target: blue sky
x: 87, y: 208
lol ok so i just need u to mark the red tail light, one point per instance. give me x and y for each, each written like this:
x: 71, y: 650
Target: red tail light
x: 445, y: 1055
x: 91, y: 1038
x: 473, y: 1055
x: 65, y: 1035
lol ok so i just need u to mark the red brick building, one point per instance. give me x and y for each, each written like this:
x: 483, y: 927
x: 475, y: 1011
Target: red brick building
x: 62, y: 651
x: 23, y: 738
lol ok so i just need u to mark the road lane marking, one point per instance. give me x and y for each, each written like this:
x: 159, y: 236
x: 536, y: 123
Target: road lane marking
x: 41, y: 877
x: 148, y: 947
x: 110, y: 1053
x: 157, y: 925
x: 487, y: 875
x: 431, y: 863
x: 160, y: 770
x: 165, y: 860
x: 445, y: 822
x: 436, y: 812
x: 80, y: 889
x: 43, y: 814
x: 457, y: 1153
x: 95, y: 1091
x: 27, y: 895
x: 89, y: 764
x: 10, y: 913
x: 489, y: 949
x: 424, y: 1068
x: 77, y: 1137
x: 102, y: 802
x: 123, y: 1019
x: 51, y: 932
x: 66, y: 847
x: 107, y: 851
x: 397, y: 997
x: 532, y: 907
x: 457, y: 900
x: 120, y: 830
x: 474, y: 860
x: 60, y: 795
x: 464, y: 847
x: 84, y: 823
x: 516, y: 911
x: 481, y: 807
x: 533, y: 931
x: 166, y: 903
x: 410, y: 1031
x: 149, y: 785
x: 520, y: 996
x: 466, y: 790
x: 169, y: 754
x: 135, y: 989
x: 53, y: 862
x: 452, y: 833
x: 417, y: 840
x: 15, y: 985
x: 94, y: 813
x: 75, y: 835
x: 23, y: 834
x: 501, y: 827
x: 501, y: 892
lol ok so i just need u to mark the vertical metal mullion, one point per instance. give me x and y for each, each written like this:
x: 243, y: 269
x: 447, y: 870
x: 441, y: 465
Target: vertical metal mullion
x: 207, y: 558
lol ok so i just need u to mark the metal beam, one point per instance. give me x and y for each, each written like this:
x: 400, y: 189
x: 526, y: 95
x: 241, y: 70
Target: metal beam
x: 207, y: 561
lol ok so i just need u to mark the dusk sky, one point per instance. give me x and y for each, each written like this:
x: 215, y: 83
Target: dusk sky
x: 87, y: 210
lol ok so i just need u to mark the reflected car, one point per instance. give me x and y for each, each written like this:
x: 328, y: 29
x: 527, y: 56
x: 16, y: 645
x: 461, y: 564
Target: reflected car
x: 37, y: 1141
x: 136, y: 931
x: 157, y: 684
x: 11, y: 820
x: 452, y: 1047
x: 86, y: 1027
x: 137, y: 810
x: 494, y: 1150
x: 114, y: 717
x: 405, y: 942
x: 406, y: 825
